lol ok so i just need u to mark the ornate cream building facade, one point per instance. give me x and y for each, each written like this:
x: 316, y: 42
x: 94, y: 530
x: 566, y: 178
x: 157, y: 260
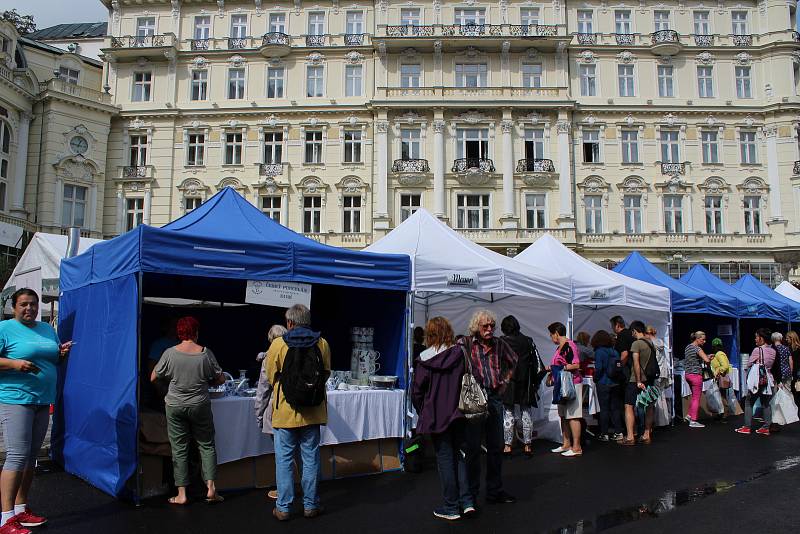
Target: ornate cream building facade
x: 670, y: 127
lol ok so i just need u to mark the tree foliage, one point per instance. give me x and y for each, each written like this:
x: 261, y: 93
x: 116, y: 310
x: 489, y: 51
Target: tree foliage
x: 24, y: 23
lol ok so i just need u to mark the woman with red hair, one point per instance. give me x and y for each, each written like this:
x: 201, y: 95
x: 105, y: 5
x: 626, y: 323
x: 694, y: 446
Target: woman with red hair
x: 190, y: 368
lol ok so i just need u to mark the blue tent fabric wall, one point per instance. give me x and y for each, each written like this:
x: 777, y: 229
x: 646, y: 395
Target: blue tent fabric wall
x: 752, y: 286
x: 748, y: 307
x: 95, y: 426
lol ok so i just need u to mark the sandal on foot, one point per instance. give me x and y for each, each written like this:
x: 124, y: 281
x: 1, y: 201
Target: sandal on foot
x: 215, y: 499
x: 174, y: 500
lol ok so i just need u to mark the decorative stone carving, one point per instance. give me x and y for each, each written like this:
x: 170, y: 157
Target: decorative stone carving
x: 354, y: 57
x: 538, y: 180
x: 505, y: 47
x: 665, y: 60
x: 409, y: 52
x: 705, y: 58
x: 749, y: 122
x: 590, y: 120
x: 315, y: 58
x: 351, y: 184
x: 714, y: 186
x: 230, y: 182
x: 507, y: 126
x: 382, y: 126
x: 471, y: 117
x: 136, y: 124
x: 410, y: 179
x: 75, y: 168
x: 743, y: 58
x: 771, y: 131
x: 237, y: 61
x: 594, y: 184
x: 439, y: 126
x: 471, y: 52
x: 629, y: 120
x: 754, y: 186
x: 587, y: 56
x: 437, y: 48
x: 626, y: 57
x: 633, y: 185
x: 311, y: 185
x: 563, y: 127
x: 473, y: 177
x: 192, y: 187
x: 176, y: 8
x: 670, y: 119
x: 710, y: 120
x: 195, y: 124
x: 200, y: 62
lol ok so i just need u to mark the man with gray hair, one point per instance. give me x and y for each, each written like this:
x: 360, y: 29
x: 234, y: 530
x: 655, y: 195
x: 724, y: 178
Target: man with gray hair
x: 298, y: 364
x: 493, y: 363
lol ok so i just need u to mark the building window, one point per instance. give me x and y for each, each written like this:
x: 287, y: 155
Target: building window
x: 315, y: 77
x: 312, y: 214
x: 409, y: 204
x: 236, y: 84
x: 473, y: 211
x: 352, y: 146
x: 191, y: 203
x: 233, y: 148
x: 316, y: 23
x: 534, y: 144
x: 277, y: 23
x: 271, y: 206
x: 355, y: 23
x: 529, y: 16
x: 591, y: 146
x: 665, y: 83
x: 625, y: 76
x: 747, y: 146
x: 588, y: 80
x: 630, y: 146
x: 743, y: 83
x: 705, y: 82
x: 142, y: 86
x: 410, y: 16
x: 622, y: 21
x: 661, y: 20
x: 752, y: 215
x: 238, y: 26
x: 199, y: 84
x: 471, y: 74
x: 352, y: 214
x: 73, y: 211
x: 702, y: 24
x: 196, y: 149
x: 313, y: 147
x: 410, y: 75
x: 145, y: 26
x: 472, y: 143
x: 739, y: 20
x: 410, y: 144
x: 632, y: 205
x: 713, y: 208
x: 585, y: 21
x: 470, y: 16
x: 134, y: 213
x: 673, y: 214
x: 69, y: 75
x: 273, y: 147
x: 670, y: 148
x: 202, y: 28
x: 536, y: 211
x: 5, y: 156
x: 710, y: 147
x: 275, y: 82
x: 138, y: 150
x: 593, y: 213
x: 352, y: 80
x: 531, y: 75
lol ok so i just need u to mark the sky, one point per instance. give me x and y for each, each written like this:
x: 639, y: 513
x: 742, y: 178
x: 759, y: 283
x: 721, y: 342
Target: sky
x: 51, y: 12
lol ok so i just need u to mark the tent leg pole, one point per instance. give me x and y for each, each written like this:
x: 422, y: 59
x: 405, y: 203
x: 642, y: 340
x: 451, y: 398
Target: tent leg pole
x: 138, y: 497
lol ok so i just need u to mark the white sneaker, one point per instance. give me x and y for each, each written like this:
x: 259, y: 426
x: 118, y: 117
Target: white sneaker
x: 695, y: 424
x: 570, y: 453
x: 558, y: 450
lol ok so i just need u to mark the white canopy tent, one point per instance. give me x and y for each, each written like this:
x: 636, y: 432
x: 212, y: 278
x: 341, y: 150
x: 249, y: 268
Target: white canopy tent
x: 453, y: 277
x: 788, y: 290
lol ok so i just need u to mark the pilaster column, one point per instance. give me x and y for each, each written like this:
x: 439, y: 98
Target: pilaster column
x: 382, y: 186
x: 285, y: 208
x: 120, y: 209
x: 773, y: 178
x: 148, y: 200
x: 563, y: 127
x: 21, y: 165
x: 438, y: 167
x: 508, y: 170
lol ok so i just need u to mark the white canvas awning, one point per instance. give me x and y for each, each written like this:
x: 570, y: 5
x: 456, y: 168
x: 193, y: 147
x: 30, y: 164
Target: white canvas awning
x: 788, y: 290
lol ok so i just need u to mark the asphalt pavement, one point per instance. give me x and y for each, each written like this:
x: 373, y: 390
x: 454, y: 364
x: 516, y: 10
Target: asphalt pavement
x: 689, y: 480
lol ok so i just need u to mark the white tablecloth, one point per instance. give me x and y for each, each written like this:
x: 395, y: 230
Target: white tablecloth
x: 352, y: 416
x: 686, y: 390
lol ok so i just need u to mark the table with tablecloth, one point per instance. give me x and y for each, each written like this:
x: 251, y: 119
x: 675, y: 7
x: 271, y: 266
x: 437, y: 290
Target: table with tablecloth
x: 352, y: 416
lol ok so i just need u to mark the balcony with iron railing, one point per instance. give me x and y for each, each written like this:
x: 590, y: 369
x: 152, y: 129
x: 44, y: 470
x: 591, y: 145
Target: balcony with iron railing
x: 270, y: 169
x: 704, y: 40
x: 742, y: 40
x: 410, y: 166
x: 796, y: 168
x: 316, y: 40
x: 63, y: 87
x: 477, y: 95
x: 665, y: 42
x: 625, y: 39
x: 275, y: 44
x: 238, y: 43
x: 404, y: 35
x: 535, y: 165
x: 658, y: 239
x: 672, y: 168
x: 354, y: 39
x: 130, y: 47
x: 463, y: 165
x: 199, y: 45
x: 586, y: 38
x: 513, y: 236
x: 136, y: 173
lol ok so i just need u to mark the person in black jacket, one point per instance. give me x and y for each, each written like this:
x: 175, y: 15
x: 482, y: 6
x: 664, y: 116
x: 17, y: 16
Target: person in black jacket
x: 520, y: 396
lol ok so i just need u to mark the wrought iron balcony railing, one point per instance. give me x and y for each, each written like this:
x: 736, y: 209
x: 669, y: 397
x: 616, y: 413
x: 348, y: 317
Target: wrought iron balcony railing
x: 625, y: 38
x: 743, y: 40
x: 275, y: 38
x: 138, y: 41
x: 134, y: 171
x: 354, y: 39
x: 473, y: 30
x: 665, y: 36
x: 671, y: 169
x: 704, y: 40
x: 587, y: 38
x: 200, y: 44
x: 410, y: 165
x: 535, y: 165
x: 796, y: 168
x: 237, y: 43
x: 470, y: 164
x: 316, y: 40
x: 270, y: 169
x: 405, y: 31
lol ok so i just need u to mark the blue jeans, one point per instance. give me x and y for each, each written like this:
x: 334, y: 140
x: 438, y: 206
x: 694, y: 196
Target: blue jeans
x: 287, y: 440
x: 449, y: 446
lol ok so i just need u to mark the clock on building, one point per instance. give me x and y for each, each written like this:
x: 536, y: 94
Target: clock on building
x: 79, y: 145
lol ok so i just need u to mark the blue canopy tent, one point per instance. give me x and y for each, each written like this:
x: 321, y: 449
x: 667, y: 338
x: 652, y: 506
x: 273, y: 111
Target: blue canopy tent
x: 752, y: 286
x: 209, y: 254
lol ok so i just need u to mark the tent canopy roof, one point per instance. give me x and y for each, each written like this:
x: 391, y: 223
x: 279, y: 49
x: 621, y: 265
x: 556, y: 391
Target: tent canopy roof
x: 228, y: 237
x: 685, y: 299
x: 751, y: 285
x: 439, y: 254
x: 788, y: 290
x: 747, y: 306
x: 594, y: 285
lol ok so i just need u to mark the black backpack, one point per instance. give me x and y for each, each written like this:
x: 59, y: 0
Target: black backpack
x: 303, y: 377
x: 651, y: 370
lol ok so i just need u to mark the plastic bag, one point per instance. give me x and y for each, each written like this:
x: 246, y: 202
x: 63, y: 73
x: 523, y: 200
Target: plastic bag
x: 784, y: 410
x: 714, y: 399
x: 567, y: 387
x: 661, y: 412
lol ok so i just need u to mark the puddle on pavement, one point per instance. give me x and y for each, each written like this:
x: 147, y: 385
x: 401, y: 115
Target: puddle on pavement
x: 668, y: 502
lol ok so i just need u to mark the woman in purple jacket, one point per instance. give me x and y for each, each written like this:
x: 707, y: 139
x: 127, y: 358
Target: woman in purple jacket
x: 435, y: 393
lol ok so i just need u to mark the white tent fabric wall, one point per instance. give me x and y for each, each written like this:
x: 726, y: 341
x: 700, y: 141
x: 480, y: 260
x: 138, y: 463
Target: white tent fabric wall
x: 788, y: 290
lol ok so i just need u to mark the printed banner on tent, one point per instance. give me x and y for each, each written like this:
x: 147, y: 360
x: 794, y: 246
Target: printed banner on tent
x: 280, y: 294
x: 463, y: 279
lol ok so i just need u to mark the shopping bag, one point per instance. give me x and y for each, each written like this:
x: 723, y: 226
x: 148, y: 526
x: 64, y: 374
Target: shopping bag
x: 661, y: 412
x: 714, y: 399
x: 567, y: 387
x: 733, y: 406
x: 784, y: 410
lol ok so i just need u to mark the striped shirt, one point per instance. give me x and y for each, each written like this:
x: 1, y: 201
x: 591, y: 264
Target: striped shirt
x: 493, y: 364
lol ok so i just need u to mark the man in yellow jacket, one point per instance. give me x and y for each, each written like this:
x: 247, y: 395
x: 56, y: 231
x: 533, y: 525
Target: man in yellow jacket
x: 296, y: 427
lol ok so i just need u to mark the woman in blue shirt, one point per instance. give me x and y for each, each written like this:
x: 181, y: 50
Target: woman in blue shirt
x: 29, y: 353
x: 608, y: 386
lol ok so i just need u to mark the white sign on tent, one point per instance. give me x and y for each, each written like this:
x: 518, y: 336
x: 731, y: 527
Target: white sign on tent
x: 280, y: 294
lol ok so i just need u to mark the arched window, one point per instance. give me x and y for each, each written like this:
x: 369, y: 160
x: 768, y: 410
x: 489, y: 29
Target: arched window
x: 5, y: 159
